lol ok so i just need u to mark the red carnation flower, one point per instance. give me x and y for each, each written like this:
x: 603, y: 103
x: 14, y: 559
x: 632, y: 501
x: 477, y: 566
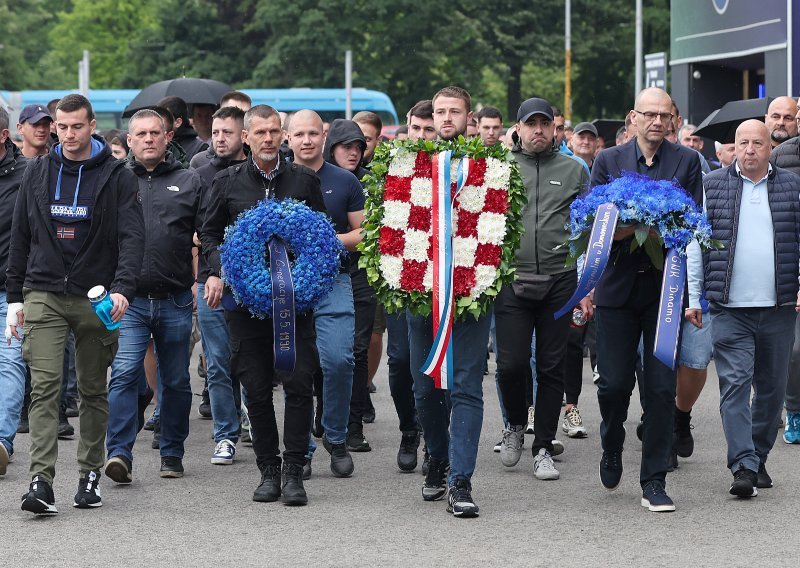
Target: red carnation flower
x: 423, y: 167
x: 412, y: 274
x: 477, y: 171
x: 397, y: 188
x: 496, y: 201
x: 488, y: 254
x: 463, y: 280
x: 419, y: 218
x: 467, y: 224
x: 392, y: 241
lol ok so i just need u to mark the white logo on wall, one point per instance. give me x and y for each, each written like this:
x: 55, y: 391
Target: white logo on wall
x: 720, y: 5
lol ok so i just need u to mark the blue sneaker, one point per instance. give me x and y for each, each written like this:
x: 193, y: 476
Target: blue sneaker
x: 791, y: 432
x: 224, y: 453
x: 656, y: 499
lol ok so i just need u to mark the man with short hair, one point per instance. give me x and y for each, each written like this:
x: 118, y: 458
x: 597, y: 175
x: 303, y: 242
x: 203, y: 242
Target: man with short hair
x: 420, y: 121
x: 780, y: 120
x: 185, y: 136
x: 77, y: 225
x: 454, y: 449
x: 552, y: 180
x: 687, y: 138
x: 559, y: 121
x: 490, y: 125
x: 334, y: 316
x: 627, y: 301
x: 751, y: 283
x: 237, y: 99
x: 34, y: 127
x: 201, y: 120
x: 472, y: 128
x: 726, y: 153
x: 584, y: 142
x: 162, y: 306
x: 235, y: 190
x: 12, y: 367
x: 371, y: 125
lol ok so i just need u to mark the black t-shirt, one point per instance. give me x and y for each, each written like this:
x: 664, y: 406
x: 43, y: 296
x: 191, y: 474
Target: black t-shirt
x: 342, y: 193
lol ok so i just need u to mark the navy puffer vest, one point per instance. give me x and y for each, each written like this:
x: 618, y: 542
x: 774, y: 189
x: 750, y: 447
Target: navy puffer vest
x: 723, y: 189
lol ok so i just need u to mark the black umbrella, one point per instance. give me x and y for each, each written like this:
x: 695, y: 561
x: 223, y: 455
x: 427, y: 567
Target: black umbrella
x: 607, y: 128
x: 721, y: 124
x: 191, y: 90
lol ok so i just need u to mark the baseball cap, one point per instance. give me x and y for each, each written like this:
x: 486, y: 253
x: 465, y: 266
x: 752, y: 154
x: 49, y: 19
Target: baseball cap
x: 534, y: 106
x: 585, y: 127
x: 33, y: 114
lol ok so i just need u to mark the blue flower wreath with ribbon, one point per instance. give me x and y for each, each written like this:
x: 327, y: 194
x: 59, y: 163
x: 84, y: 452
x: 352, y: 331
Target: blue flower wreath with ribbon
x: 310, y: 239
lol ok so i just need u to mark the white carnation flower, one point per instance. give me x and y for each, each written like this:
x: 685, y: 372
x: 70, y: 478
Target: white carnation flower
x: 498, y: 174
x: 484, y: 277
x: 391, y: 266
x: 402, y: 165
x: 427, y: 280
x: 416, y: 245
x: 421, y: 191
x: 471, y: 198
x: 395, y: 214
x: 464, y: 251
x: 491, y: 228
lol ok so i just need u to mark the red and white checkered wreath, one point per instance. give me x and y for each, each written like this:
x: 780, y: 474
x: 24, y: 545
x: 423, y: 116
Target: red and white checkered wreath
x: 486, y: 225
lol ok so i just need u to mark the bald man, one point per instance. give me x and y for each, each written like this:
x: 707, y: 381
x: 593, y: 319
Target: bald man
x: 627, y: 300
x: 751, y: 285
x: 334, y: 317
x: 780, y: 120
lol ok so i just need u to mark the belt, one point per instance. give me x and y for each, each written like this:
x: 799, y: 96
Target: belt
x: 156, y: 295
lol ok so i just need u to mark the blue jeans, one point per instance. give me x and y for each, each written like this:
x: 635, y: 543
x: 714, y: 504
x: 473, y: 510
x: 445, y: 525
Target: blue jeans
x: 170, y: 323
x: 335, y: 319
x: 451, y: 420
x: 12, y: 384
x: 218, y: 357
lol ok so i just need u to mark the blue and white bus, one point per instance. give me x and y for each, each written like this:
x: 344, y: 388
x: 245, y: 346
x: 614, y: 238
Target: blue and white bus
x: 109, y: 103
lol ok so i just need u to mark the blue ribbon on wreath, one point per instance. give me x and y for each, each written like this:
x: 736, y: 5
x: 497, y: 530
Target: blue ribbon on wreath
x: 283, y: 308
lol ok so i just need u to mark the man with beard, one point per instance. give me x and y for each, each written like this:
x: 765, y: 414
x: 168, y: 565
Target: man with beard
x: 780, y: 119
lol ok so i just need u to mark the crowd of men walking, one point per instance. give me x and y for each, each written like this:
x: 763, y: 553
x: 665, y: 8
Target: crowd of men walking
x: 143, y: 213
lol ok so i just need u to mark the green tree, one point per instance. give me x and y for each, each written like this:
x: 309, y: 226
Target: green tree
x: 24, y: 39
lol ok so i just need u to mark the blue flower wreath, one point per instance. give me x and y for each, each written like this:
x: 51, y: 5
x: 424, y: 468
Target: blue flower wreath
x: 310, y: 239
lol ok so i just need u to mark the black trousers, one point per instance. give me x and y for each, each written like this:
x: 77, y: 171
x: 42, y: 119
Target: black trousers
x: 573, y: 365
x: 515, y: 320
x: 401, y: 381
x: 365, y: 303
x: 252, y: 361
x: 618, y: 333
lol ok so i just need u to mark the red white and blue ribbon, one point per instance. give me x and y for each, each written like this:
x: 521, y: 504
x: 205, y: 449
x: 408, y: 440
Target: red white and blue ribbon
x: 439, y: 365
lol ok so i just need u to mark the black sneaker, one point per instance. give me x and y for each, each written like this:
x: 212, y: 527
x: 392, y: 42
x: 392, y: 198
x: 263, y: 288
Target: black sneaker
x: 118, y: 469
x: 156, y: 444
x: 407, y: 454
x: 72, y: 409
x: 684, y: 441
x: 269, y: 490
x: 655, y: 498
x: 39, y: 499
x: 459, y: 500
x: 369, y: 415
x: 204, y: 410
x: 293, y: 492
x: 744, y: 483
x: 435, y: 485
x: 341, y: 462
x: 88, y: 495
x: 171, y: 467
x: 426, y: 459
x: 142, y: 402
x: 24, y: 426
x: 611, y: 470
x: 640, y: 429
x: 307, y: 470
x: 317, y: 430
x: 65, y: 429
x: 764, y: 481
x: 356, y: 442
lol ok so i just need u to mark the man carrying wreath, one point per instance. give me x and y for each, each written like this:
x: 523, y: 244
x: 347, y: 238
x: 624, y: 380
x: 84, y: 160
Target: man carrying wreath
x: 235, y: 190
x: 627, y: 304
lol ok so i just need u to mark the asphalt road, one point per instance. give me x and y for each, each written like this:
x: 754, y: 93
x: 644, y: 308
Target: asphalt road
x: 378, y: 517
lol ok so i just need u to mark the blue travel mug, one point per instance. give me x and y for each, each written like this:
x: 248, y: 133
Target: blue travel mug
x: 102, y: 305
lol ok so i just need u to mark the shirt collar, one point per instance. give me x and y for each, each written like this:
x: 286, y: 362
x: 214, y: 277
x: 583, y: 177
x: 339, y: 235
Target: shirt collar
x: 640, y: 156
x: 738, y: 171
x: 268, y: 175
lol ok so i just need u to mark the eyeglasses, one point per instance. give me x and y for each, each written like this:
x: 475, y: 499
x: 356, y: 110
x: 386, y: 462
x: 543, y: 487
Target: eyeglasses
x: 651, y: 116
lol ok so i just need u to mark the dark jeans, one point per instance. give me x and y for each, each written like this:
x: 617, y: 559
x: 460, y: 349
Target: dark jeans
x: 401, y: 381
x: 618, y: 333
x: 516, y: 319
x: 573, y: 365
x: 252, y: 360
x: 69, y: 384
x: 364, y: 302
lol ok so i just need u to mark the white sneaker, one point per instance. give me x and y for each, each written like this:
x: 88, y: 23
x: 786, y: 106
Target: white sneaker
x: 224, y: 453
x: 498, y: 446
x: 529, y: 427
x: 511, y: 445
x: 543, y: 467
x: 595, y: 374
x: 572, y: 425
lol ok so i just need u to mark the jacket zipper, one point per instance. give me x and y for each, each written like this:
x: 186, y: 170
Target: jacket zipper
x: 729, y: 268
x: 536, y: 224
x: 148, y: 200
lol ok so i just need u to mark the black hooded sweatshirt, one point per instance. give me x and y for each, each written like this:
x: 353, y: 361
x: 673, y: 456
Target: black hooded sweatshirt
x: 343, y: 131
x: 12, y: 168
